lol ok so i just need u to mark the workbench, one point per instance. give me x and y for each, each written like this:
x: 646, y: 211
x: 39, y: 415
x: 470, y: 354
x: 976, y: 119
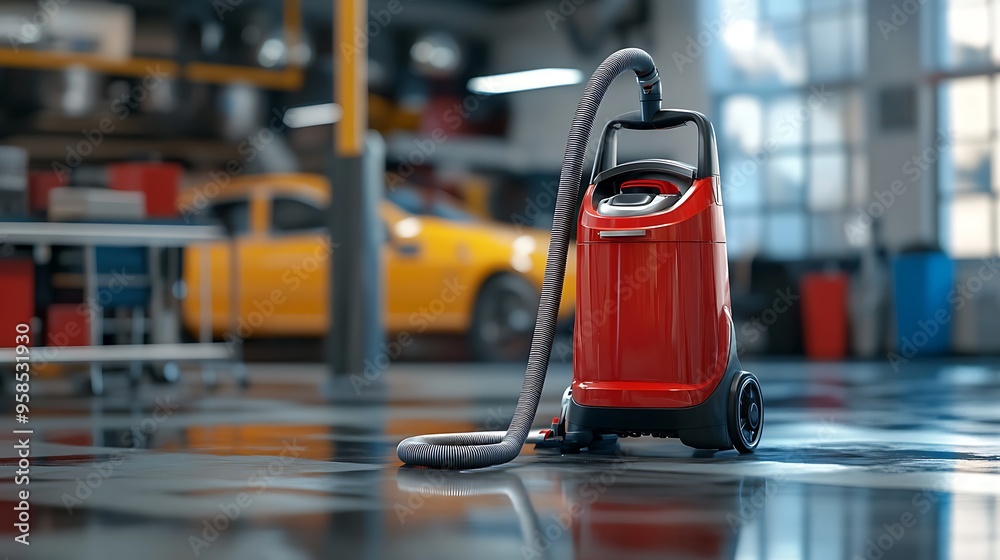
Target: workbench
x: 155, y: 238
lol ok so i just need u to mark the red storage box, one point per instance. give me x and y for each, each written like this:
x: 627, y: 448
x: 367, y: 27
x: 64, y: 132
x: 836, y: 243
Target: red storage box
x: 66, y: 325
x: 17, y: 298
x: 159, y: 181
x: 39, y: 185
x: 824, y: 315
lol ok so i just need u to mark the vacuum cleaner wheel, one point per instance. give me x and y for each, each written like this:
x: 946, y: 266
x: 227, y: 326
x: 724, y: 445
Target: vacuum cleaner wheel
x: 746, y: 412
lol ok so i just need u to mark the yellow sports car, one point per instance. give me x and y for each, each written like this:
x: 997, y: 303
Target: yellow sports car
x: 445, y: 271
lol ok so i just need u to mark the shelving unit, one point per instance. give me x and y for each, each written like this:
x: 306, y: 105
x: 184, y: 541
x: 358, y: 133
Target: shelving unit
x: 289, y: 78
x: 155, y: 238
x: 46, y: 143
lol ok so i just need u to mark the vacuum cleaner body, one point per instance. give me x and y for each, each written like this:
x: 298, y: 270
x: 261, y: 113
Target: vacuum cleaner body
x: 655, y: 349
x: 654, y: 342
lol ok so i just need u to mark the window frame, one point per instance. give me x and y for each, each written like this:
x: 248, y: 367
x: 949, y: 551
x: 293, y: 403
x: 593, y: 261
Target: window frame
x: 850, y: 146
x: 940, y: 74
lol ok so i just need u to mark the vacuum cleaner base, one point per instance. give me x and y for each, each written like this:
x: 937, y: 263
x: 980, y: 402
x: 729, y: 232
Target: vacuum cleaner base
x: 703, y: 426
x: 732, y: 416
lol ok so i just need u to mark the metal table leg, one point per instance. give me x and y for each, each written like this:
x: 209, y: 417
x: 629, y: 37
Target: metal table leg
x: 138, y: 328
x: 238, y: 371
x: 205, y: 298
x: 96, y: 315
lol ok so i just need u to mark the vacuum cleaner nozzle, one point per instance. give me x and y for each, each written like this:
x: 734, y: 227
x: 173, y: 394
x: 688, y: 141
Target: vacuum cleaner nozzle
x: 649, y: 94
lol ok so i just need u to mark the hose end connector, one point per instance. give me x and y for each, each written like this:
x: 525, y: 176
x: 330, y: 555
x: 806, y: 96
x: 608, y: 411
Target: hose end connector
x: 649, y: 94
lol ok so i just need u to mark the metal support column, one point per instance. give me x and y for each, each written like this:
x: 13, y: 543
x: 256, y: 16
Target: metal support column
x: 354, y: 333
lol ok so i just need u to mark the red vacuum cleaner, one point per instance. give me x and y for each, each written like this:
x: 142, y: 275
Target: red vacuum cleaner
x: 654, y: 341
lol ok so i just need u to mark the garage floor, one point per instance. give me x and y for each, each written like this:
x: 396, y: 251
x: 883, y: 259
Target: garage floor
x: 856, y: 462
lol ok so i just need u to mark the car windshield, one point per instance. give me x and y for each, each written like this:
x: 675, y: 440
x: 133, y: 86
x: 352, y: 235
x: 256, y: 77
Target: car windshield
x: 415, y: 202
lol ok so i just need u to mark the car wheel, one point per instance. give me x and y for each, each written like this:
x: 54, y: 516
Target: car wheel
x: 504, y: 319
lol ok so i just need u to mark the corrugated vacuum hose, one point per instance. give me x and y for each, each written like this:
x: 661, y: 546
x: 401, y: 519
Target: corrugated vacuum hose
x: 483, y: 449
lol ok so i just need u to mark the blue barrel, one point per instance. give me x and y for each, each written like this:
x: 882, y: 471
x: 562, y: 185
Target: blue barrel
x: 923, y: 283
x: 124, y: 273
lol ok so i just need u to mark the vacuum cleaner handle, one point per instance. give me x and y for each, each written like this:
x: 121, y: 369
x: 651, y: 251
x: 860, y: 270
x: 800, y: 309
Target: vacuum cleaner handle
x: 708, y: 157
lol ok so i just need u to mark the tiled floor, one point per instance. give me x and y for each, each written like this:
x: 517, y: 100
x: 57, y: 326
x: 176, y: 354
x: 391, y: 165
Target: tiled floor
x: 856, y: 462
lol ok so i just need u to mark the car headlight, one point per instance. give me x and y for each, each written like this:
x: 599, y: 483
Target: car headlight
x: 521, y: 251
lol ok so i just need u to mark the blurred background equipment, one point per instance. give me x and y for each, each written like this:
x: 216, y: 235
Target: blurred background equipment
x: 13, y: 181
x: 189, y: 102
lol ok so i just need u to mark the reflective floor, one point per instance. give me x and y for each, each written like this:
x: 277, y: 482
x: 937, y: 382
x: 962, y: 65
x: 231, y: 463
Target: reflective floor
x: 856, y: 462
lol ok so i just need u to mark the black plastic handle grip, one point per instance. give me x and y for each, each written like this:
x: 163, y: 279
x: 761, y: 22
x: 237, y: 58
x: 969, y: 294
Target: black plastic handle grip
x: 708, y: 157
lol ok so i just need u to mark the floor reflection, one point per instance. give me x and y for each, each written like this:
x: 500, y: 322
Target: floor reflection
x: 856, y: 463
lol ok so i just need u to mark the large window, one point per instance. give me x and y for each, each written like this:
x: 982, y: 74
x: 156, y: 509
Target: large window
x: 790, y: 120
x: 966, y: 60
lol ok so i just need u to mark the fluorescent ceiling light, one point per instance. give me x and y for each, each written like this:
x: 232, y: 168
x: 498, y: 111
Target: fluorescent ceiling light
x: 523, y: 81
x: 312, y: 115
